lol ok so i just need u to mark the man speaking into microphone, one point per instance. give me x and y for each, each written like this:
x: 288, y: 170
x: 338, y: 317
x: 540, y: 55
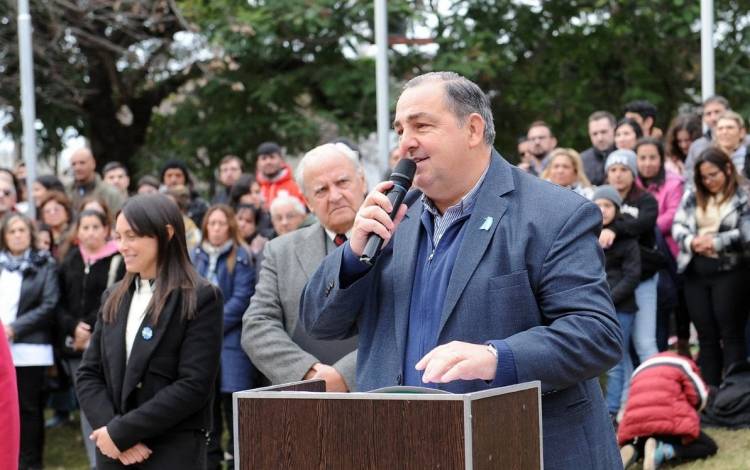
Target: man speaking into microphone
x: 493, y: 278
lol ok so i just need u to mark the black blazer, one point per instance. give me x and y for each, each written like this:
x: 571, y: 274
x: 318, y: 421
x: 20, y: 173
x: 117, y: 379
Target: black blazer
x: 169, y: 380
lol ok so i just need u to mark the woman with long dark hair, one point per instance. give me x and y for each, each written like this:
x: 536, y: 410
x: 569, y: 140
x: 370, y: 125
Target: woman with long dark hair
x: 28, y: 283
x: 706, y: 228
x: 224, y: 260
x: 147, y: 378
x: 667, y: 187
x: 683, y: 131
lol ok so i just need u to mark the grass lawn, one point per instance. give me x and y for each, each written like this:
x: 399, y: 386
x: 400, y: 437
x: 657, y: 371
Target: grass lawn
x: 64, y: 450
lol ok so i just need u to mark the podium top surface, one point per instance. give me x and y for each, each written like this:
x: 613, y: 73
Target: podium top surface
x: 393, y: 393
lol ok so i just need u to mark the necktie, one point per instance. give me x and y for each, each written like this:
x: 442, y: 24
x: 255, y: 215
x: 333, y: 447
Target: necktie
x: 339, y: 239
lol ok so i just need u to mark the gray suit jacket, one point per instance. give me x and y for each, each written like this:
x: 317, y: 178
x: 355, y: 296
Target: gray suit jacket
x: 269, y: 327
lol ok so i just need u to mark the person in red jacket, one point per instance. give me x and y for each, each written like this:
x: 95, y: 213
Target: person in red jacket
x: 661, y: 419
x: 274, y: 175
x: 10, y: 424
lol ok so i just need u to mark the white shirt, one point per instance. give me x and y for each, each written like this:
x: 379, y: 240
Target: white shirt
x: 10, y: 286
x: 332, y: 235
x: 136, y: 313
x: 24, y: 354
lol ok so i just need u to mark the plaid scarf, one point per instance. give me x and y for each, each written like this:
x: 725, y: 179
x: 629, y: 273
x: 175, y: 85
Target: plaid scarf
x: 12, y: 263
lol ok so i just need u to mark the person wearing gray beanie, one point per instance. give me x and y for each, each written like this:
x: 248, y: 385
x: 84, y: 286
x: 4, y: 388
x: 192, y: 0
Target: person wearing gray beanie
x: 624, y: 157
x: 639, y: 211
x: 609, y: 193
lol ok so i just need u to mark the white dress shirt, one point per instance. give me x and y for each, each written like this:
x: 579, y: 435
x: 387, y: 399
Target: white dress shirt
x: 136, y: 313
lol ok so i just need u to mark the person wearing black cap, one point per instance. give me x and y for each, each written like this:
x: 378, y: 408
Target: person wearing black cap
x: 175, y: 173
x: 274, y: 175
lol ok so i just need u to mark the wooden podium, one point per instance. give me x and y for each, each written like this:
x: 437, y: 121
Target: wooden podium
x: 299, y: 426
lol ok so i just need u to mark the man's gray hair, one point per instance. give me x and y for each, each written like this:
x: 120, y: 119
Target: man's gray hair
x: 299, y: 172
x: 286, y: 199
x: 463, y: 97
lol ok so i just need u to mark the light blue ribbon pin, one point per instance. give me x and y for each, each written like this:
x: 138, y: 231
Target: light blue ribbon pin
x: 486, y: 224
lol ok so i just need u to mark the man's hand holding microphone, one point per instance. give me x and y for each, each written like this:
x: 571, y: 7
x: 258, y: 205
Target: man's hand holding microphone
x: 374, y: 225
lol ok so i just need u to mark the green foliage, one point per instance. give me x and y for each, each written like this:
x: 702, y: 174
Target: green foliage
x: 284, y: 70
x: 99, y: 70
x: 294, y: 71
x: 561, y: 60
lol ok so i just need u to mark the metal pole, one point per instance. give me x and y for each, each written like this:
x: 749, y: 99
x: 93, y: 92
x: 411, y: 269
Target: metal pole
x: 28, y: 107
x: 381, y: 80
x: 707, y: 49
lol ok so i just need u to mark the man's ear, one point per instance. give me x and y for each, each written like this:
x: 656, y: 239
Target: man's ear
x: 475, y: 126
x: 170, y: 232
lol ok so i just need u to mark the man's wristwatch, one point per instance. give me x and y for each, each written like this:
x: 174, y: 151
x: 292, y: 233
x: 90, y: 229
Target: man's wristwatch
x: 492, y: 349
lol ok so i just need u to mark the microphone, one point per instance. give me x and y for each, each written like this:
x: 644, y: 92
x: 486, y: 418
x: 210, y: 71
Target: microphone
x: 402, y: 177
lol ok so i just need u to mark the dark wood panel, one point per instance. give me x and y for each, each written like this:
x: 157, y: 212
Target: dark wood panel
x: 350, y: 434
x: 505, y: 431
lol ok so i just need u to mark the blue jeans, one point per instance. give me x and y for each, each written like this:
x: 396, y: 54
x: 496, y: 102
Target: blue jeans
x: 618, y: 377
x: 644, y: 328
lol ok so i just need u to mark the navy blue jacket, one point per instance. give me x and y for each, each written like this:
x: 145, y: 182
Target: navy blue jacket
x: 237, y: 372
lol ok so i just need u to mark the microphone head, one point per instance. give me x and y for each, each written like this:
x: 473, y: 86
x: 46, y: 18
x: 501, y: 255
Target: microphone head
x: 403, y: 174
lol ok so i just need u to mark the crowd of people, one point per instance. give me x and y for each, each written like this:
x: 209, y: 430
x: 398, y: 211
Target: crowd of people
x: 674, y: 206
x: 56, y: 268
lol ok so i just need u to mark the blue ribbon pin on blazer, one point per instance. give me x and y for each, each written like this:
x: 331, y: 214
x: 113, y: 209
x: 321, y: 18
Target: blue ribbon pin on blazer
x: 486, y: 224
x: 147, y: 333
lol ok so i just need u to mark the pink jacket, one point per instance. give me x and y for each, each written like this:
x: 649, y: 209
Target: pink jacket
x: 668, y: 195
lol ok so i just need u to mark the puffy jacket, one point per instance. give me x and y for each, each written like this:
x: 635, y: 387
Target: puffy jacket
x: 270, y: 188
x: 666, y: 395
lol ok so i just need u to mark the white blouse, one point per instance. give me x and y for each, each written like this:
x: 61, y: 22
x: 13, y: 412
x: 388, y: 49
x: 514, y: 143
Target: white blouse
x: 136, y: 313
x: 24, y: 354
